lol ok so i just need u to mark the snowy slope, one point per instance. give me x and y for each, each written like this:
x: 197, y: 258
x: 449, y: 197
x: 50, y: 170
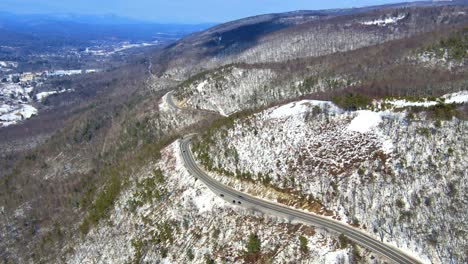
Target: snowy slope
x: 15, y: 104
x: 201, y: 223
x: 231, y: 89
x: 403, y: 181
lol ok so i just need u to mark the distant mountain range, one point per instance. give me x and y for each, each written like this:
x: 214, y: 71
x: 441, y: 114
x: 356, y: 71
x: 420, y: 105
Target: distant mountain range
x: 101, y: 20
x: 69, y: 29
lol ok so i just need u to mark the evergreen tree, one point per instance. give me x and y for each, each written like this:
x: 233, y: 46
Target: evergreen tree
x: 253, y: 245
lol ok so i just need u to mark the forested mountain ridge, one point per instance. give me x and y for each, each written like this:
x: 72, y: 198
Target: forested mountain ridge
x: 283, y: 37
x: 436, y: 61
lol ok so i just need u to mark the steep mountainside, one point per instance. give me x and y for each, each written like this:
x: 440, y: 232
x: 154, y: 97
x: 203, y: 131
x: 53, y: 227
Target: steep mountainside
x: 380, y: 70
x: 166, y: 215
x: 398, y: 175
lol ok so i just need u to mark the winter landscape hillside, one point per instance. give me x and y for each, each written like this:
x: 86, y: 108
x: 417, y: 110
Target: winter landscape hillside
x: 400, y: 177
x: 213, y: 145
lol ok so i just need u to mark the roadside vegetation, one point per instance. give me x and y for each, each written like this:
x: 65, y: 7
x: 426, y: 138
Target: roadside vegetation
x: 253, y: 248
x: 117, y: 175
x: 352, y: 101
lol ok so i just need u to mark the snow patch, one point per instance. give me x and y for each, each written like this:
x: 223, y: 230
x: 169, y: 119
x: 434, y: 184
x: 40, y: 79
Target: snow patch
x: 204, y: 201
x: 13, y: 107
x: 405, y: 103
x: 42, y: 95
x: 384, y: 22
x: 69, y: 72
x: 11, y: 64
x: 458, y: 98
x: 221, y: 111
x: 365, y: 121
x: 335, y: 256
x: 5, y: 108
x: 201, y: 85
x: 14, y: 116
x: 304, y: 106
x: 164, y: 105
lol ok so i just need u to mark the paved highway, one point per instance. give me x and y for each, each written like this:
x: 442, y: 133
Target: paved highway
x: 293, y: 215
x: 170, y: 101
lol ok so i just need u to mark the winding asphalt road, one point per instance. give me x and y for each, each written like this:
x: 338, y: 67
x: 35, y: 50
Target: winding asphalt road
x: 170, y: 102
x: 293, y: 215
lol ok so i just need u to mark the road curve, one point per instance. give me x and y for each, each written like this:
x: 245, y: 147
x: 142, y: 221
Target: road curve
x: 253, y: 203
x: 170, y: 102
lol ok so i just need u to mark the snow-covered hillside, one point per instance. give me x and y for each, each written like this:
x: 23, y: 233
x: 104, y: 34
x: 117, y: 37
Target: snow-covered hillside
x: 15, y: 104
x: 216, y: 91
x: 402, y: 180
x: 232, y: 89
x: 167, y: 216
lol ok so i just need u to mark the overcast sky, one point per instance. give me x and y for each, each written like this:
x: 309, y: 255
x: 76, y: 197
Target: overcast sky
x: 180, y: 11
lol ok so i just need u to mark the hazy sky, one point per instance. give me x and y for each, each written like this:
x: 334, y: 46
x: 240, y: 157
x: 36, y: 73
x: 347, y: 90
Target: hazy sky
x: 182, y: 11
